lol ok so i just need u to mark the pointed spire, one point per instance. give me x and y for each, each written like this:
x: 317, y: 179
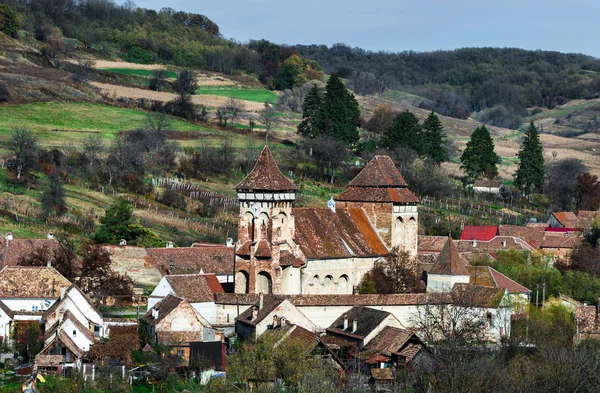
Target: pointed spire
x: 379, y: 172
x: 266, y: 176
x: 449, y: 262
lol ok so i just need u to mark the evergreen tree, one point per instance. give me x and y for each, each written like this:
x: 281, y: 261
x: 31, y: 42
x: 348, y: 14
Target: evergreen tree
x: 115, y: 223
x: 434, y: 139
x: 312, y: 114
x: 53, y: 198
x: 530, y: 174
x: 341, y: 112
x: 479, y: 157
x: 404, y: 132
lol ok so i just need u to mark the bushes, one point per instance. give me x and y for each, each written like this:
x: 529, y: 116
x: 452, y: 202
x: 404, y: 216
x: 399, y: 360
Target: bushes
x: 9, y: 21
x: 139, y: 55
x: 4, y: 93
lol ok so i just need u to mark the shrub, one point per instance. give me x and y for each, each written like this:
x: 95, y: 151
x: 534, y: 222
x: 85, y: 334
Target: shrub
x: 139, y: 55
x: 4, y: 93
x: 9, y: 21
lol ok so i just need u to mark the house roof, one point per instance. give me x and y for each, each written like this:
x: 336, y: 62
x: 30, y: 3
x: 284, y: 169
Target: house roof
x: 286, y: 258
x: 431, y: 243
x: 263, y: 250
x: 70, y: 344
x: 266, y: 176
x: 531, y: 234
x: 6, y: 310
x: 270, y: 303
x: 382, y: 374
x: 498, y: 243
x: 588, y: 321
x: 478, y: 232
x: 486, y: 183
x: 479, y: 296
x: 31, y: 282
x: 179, y: 337
x: 449, y: 262
x: 390, y: 339
x: 379, y: 172
x: 567, y: 219
x: 191, y: 260
x: 195, y: 288
x: 322, y: 233
x: 164, y: 307
x: 373, y: 194
x: 568, y: 242
x: 367, y: 320
x: 490, y: 277
x: 12, y: 252
x: 48, y: 360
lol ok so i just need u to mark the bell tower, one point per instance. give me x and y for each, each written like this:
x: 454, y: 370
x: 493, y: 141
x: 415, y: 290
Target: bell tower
x: 266, y: 226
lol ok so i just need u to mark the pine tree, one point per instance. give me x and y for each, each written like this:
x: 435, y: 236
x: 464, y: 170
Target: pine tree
x: 530, y: 174
x: 115, y: 223
x: 341, y: 112
x: 479, y: 157
x: 405, y: 131
x: 312, y: 114
x: 53, y: 198
x: 434, y: 139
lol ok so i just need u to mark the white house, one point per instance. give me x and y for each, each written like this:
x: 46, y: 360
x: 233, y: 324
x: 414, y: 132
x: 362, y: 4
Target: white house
x: 448, y: 270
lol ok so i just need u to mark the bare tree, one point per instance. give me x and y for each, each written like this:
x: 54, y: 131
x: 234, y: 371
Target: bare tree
x: 329, y: 154
x: 402, y: 270
x: 23, y: 148
x: 234, y: 108
x: 158, y: 80
x: 269, y: 119
x: 83, y: 71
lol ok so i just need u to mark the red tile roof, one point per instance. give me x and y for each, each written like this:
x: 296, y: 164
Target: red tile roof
x: 34, y: 282
x: 490, y: 277
x: 164, y: 307
x: 263, y: 250
x: 191, y: 260
x: 588, y: 321
x: 322, y: 233
x: 373, y: 194
x: 504, y: 282
x: 567, y: 219
x: 379, y: 172
x: 244, y: 249
x: 288, y: 259
x: 266, y: 176
x: 562, y: 241
x: 12, y: 252
x: 481, y: 232
x: 195, y: 288
x: 368, y: 319
x: 533, y: 235
x: 449, y: 262
x: 587, y: 217
x: 431, y: 243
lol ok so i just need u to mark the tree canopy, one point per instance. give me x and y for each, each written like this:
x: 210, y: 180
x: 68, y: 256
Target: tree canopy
x: 479, y: 157
x: 530, y: 174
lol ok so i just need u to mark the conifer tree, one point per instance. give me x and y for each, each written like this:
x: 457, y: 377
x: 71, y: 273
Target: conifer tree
x: 312, y: 114
x: 479, y: 157
x: 405, y: 131
x: 434, y: 139
x: 530, y: 174
x: 53, y: 198
x: 341, y: 112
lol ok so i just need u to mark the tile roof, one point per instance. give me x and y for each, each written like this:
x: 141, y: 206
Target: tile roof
x: 297, y: 333
x: 490, y: 277
x: 12, y: 252
x: 410, y: 351
x: 431, y: 243
x: 179, y: 337
x: 567, y: 219
x: 382, y: 374
x: 270, y: 303
x: 322, y: 233
x: 390, y: 339
x: 164, y: 307
x: 449, y: 262
x: 479, y: 232
x: 31, y: 282
x: 48, y: 360
x: 195, y: 288
x: 488, y: 183
x: 379, y: 172
x: 266, y: 176
x: 368, y: 319
x: 532, y: 235
x: 6, y: 310
x: 562, y: 241
x: 70, y: 344
x: 286, y: 258
x: 498, y: 243
x: 190, y: 260
x: 263, y: 250
x: 588, y: 320
x: 374, y: 194
x: 244, y: 249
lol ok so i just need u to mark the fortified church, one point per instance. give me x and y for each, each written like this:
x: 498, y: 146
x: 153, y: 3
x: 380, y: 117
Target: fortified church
x: 283, y: 249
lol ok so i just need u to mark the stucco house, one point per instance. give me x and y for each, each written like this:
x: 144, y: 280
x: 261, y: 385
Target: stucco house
x: 396, y: 347
x: 448, y: 269
x: 282, y: 249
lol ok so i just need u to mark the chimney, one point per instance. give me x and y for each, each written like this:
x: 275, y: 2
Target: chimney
x: 504, y: 243
x: 8, y: 236
x: 171, y: 266
x: 50, y: 236
x: 156, y: 313
x: 229, y: 242
x: 169, y: 245
x: 122, y: 242
x: 49, y: 264
x: 474, y: 243
x: 331, y: 204
x: 275, y: 321
x: 283, y: 321
x: 354, y: 325
x: 63, y: 292
x: 254, y: 313
x: 345, y: 322
x: 261, y: 300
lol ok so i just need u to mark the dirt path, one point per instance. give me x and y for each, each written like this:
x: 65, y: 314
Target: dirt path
x: 131, y: 92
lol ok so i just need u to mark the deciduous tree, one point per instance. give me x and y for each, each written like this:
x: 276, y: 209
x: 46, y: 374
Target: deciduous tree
x: 23, y: 147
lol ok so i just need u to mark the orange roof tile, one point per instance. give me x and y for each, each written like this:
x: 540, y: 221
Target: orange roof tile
x: 379, y: 172
x: 266, y: 176
x: 449, y: 262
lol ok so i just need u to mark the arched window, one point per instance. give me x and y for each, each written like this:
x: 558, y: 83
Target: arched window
x: 241, y: 282
x: 343, y: 287
x: 316, y: 285
x: 399, y: 223
x: 264, y: 283
x: 328, y: 285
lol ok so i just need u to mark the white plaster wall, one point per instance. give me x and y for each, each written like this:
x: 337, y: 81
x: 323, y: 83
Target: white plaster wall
x: 208, y: 310
x: 227, y: 313
x: 353, y: 268
x: 4, y: 325
x: 27, y: 304
x: 442, y: 283
x: 85, y: 307
x: 290, y: 312
x: 405, y: 233
x: 162, y: 290
x: 79, y: 337
x: 290, y: 281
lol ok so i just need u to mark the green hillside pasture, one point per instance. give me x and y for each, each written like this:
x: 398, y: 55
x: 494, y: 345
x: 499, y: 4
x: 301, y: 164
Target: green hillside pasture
x: 561, y: 112
x: 246, y: 94
x: 130, y: 71
x: 60, y: 123
x: 402, y: 96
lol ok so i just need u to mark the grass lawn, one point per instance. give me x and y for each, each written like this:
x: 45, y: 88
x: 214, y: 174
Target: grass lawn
x: 246, y: 94
x: 402, y: 96
x: 129, y: 71
x: 60, y: 123
x: 560, y: 112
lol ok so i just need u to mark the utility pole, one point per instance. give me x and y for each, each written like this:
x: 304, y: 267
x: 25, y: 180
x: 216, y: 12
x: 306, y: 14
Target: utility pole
x: 537, y: 295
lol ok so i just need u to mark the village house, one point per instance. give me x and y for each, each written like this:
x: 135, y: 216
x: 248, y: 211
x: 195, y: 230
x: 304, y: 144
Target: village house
x: 564, y: 220
x: 488, y: 186
x: 173, y: 322
x: 587, y: 323
x: 394, y: 347
x: 133, y: 262
x: 286, y: 250
x: 14, y: 251
x: 198, y: 289
x: 448, y: 269
x: 31, y: 288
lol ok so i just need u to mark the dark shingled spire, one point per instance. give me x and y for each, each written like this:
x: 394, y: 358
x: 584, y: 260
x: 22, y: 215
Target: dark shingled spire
x: 449, y: 262
x: 266, y: 176
x: 379, y: 172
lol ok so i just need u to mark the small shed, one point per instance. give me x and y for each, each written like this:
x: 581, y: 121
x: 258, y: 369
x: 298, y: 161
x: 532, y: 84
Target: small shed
x: 489, y: 186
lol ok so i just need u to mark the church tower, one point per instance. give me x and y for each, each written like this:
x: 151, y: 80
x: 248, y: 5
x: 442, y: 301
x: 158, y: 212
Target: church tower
x: 381, y: 191
x: 266, y: 227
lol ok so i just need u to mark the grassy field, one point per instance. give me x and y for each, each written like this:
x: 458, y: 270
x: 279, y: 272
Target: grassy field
x: 130, y: 71
x: 246, y: 94
x: 402, y: 96
x: 562, y: 111
x: 60, y: 123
